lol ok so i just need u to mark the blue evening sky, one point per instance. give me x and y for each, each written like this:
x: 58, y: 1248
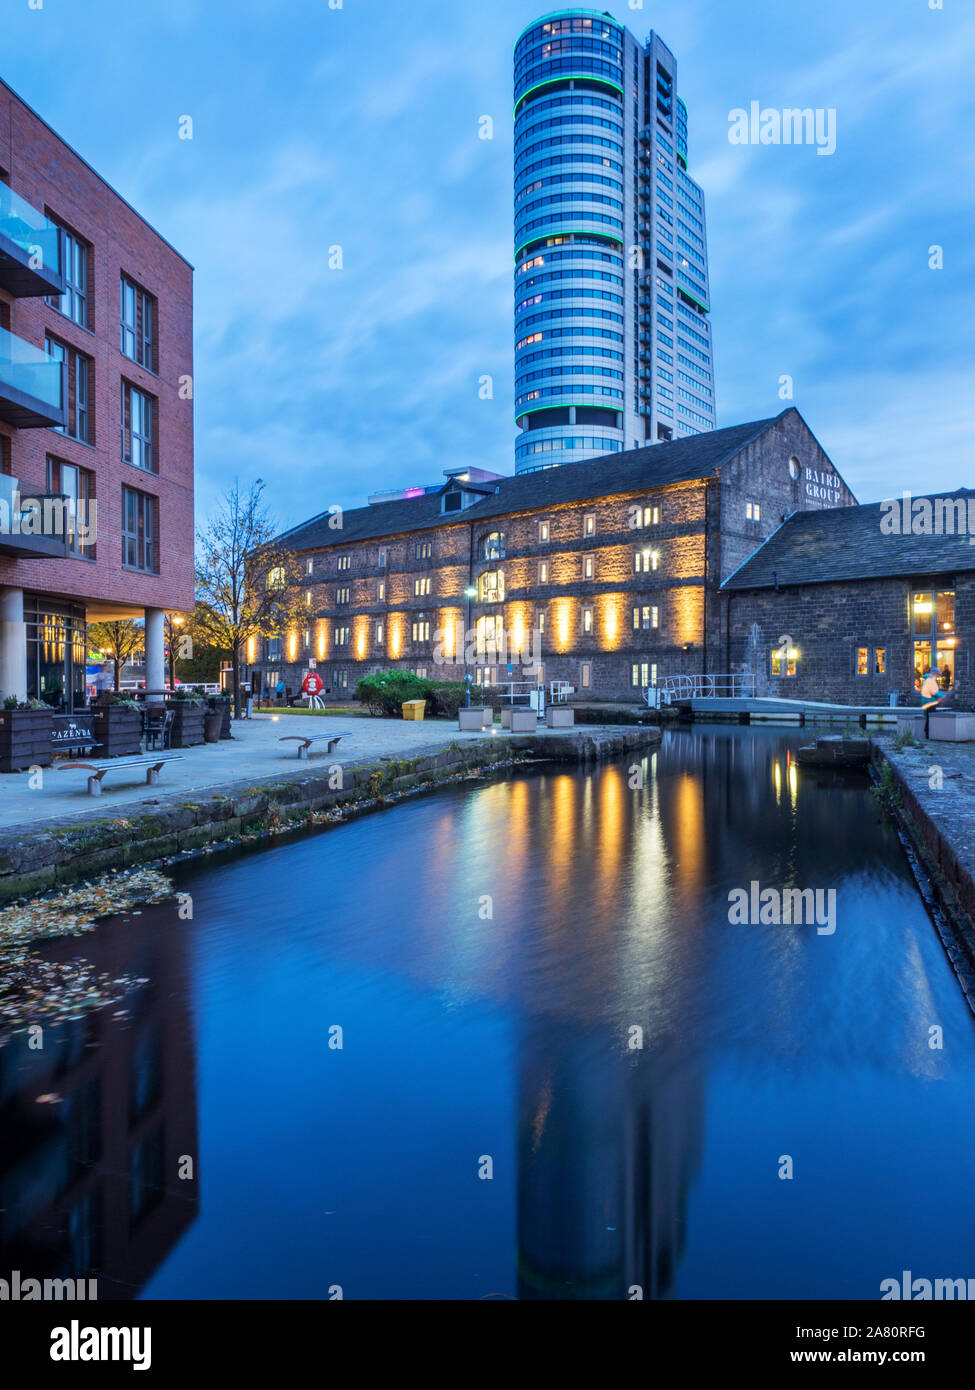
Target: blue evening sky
x: 316, y: 127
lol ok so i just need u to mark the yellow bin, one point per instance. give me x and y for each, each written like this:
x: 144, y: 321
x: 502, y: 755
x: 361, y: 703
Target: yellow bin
x: 414, y: 709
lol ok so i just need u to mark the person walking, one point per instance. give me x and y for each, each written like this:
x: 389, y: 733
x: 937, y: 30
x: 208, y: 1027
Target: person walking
x: 931, y: 697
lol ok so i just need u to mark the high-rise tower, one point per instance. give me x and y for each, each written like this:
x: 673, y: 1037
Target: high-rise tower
x: 612, y: 304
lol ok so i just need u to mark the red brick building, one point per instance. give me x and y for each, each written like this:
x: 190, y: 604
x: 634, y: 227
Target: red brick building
x: 604, y: 574
x: 96, y: 415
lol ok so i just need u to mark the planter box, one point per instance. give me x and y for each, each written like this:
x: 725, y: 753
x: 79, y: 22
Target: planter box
x: 560, y: 717
x: 187, y: 730
x: 472, y: 720
x: 910, y: 722
x: 951, y: 727
x: 506, y: 716
x: 25, y: 739
x: 524, y: 721
x: 117, y: 730
x: 488, y: 720
x: 221, y: 704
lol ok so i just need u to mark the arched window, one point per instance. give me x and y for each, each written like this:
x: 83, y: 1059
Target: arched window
x: 490, y: 586
x: 490, y: 635
x: 493, y: 546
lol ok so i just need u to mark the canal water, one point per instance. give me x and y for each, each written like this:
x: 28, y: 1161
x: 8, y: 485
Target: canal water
x: 504, y: 1041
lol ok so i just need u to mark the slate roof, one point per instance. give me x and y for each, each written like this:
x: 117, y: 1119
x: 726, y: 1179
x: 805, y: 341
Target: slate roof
x: 635, y: 470
x: 848, y: 543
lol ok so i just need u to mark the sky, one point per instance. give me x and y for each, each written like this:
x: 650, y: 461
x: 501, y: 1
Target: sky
x: 354, y: 124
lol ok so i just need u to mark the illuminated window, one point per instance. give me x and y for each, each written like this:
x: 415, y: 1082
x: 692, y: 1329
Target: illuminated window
x: 784, y: 661
x: 381, y: 591
x: 310, y: 567
x: 308, y: 598
x: 753, y: 511
x: 651, y: 516
x: 587, y: 620
x: 588, y: 567
x: 863, y: 660
x: 589, y: 524
x: 379, y: 632
x: 424, y: 550
x: 645, y: 560
x: 543, y: 572
x: 646, y: 618
x: 345, y: 562
x: 490, y: 586
x: 494, y: 546
x: 421, y: 631
x: 342, y: 596
x: 540, y: 622
x: 880, y: 661
x: 543, y: 531
x: 276, y: 578
x: 421, y: 587
x: 343, y: 635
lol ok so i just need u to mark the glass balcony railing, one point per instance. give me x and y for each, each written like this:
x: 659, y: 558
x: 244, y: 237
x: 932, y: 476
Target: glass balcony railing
x: 30, y: 248
x: 32, y: 384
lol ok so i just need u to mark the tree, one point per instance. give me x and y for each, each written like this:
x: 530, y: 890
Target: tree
x: 247, y: 583
x: 179, y: 643
x: 118, y: 640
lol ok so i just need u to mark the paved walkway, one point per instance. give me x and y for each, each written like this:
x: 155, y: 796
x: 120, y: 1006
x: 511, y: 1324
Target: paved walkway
x: 254, y: 751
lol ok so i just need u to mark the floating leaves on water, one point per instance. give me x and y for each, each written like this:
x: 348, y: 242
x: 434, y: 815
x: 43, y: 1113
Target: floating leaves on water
x: 34, y: 990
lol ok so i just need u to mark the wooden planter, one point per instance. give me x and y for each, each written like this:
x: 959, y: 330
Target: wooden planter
x: 25, y: 739
x: 118, y: 730
x: 187, y: 730
x: 221, y: 704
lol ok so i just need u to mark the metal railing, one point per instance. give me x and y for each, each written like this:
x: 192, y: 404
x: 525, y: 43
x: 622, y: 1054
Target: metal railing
x: 732, y: 685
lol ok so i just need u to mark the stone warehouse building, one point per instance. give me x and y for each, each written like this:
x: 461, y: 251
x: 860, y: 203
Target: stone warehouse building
x: 857, y: 604
x: 96, y: 415
x: 603, y: 573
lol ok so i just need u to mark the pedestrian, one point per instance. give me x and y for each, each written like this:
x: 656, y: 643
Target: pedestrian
x: 930, y: 697
x: 279, y: 692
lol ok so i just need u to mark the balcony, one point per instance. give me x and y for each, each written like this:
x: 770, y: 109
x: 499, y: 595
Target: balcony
x: 34, y: 524
x: 31, y: 261
x: 33, y: 386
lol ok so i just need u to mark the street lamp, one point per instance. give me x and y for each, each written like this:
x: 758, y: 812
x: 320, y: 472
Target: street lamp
x: 469, y: 593
x: 173, y: 621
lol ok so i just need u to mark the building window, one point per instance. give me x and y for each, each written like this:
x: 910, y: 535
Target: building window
x: 140, y: 545
x: 490, y: 586
x: 424, y: 550
x: 73, y: 304
x: 543, y: 572
x: 382, y: 555
x: 540, y: 622
x: 587, y: 620
x: 489, y: 632
x: 646, y: 618
x: 345, y: 562
x: 78, y: 486
x: 343, y: 635
x: 79, y: 366
x: 421, y: 631
x: 543, y: 531
x: 342, y: 596
x: 863, y: 661
x: 753, y: 511
x: 308, y: 598
x: 588, y: 567
x: 585, y: 678
x: 494, y: 546
x: 421, y: 587
x: 274, y: 649
x: 340, y: 679
x: 933, y: 633
x: 589, y: 524
x: 379, y: 634
x: 276, y: 577
x: 307, y: 638
x: 651, y: 516
x: 138, y: 421
x: 138, y: 317
x: 644, y: 561
x: 643, y: 674
x: 880, y: 661
x: 310, y: 567
x: 784, y: 661
x: 381, y: 591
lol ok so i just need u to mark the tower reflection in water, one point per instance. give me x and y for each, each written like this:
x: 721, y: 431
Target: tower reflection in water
x: 97, y: 1125
x: 610, y: 1117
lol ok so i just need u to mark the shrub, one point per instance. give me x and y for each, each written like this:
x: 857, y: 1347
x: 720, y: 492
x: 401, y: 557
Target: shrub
x: 384, y: 692
x: 447, y: 699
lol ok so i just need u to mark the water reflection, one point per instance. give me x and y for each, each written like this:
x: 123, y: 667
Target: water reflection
x: 542, y: 971
x: 97, y: 1124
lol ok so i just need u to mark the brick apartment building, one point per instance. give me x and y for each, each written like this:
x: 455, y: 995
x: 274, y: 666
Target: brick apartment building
x: 96, y: 415
x: 604, y: 573
x: 846, y: 608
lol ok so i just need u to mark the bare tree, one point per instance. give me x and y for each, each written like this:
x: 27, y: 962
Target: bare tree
x: 118, y: 640
x: 246, y: 581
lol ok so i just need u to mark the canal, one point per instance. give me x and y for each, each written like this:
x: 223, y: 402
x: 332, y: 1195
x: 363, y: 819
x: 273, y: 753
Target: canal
x: 504, y: 1041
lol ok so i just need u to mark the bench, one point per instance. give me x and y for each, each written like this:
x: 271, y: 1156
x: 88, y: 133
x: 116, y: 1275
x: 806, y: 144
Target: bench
x: 153, y: 768
x: 305, y: 741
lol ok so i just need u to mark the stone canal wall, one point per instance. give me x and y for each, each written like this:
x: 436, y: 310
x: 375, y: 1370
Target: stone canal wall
x: 930, y: 789
x: 64, y: 850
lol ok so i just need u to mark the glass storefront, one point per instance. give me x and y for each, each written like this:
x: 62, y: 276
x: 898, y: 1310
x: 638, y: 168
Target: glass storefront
x: 56, y: 654
x: 933, y: 632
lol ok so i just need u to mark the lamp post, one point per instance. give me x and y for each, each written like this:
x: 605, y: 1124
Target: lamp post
x: 173, y: 621
x: 469, y: 593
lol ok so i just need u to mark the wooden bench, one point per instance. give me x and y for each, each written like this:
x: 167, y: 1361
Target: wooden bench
x: 153, y: 768
x: 305, y: 742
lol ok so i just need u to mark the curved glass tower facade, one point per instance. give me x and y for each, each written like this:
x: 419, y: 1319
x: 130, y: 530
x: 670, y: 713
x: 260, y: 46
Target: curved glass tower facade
x: 610, y: 246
